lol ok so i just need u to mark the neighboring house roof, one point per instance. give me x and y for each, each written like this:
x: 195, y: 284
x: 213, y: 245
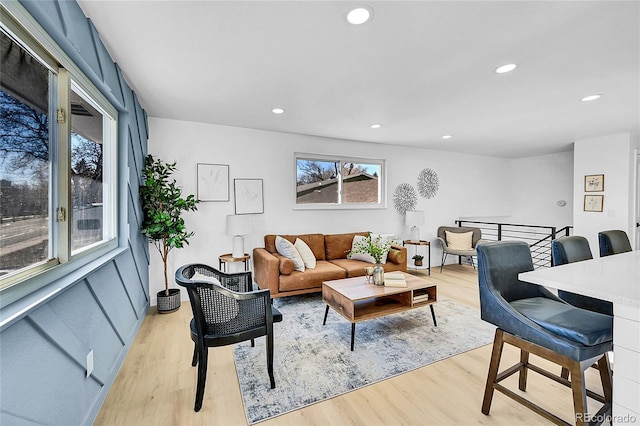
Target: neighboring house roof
x: 359, y: 187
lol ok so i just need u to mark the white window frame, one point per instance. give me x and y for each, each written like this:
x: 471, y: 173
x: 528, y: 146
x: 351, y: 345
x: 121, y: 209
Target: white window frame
x: 32, y: 37
x: 340, y: 205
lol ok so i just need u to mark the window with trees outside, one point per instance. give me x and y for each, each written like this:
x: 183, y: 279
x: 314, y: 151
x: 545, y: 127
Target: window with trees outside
x: 338, y: 182
x: 57, y: 160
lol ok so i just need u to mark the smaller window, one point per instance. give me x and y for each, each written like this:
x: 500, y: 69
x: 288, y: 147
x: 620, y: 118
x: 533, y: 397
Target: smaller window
x: 338, y: 182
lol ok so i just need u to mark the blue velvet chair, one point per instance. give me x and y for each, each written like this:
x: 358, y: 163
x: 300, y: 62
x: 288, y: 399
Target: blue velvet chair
x: 226, y: 310
x: 613, y: 242
x: 576, y: 249
x: 533, y: 319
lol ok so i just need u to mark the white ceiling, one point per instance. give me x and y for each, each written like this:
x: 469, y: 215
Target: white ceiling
x: 423, y: 69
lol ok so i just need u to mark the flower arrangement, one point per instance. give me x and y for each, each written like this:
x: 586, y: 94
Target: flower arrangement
x: 375, y: 247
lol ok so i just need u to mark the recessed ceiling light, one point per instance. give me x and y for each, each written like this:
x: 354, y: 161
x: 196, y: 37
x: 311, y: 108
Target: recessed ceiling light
x: 447, y: 137
x: 590, y: 98
x: 376, y: 126
x: 277, y: 111
x: 359, y: 15
x: 506, y: 68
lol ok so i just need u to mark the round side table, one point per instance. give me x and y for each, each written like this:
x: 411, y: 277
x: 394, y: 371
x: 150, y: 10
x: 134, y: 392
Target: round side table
x: 223, y: 259
x: 417, y: 244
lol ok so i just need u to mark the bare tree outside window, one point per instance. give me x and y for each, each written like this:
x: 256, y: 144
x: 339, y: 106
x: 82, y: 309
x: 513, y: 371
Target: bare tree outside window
x: 24, y: 159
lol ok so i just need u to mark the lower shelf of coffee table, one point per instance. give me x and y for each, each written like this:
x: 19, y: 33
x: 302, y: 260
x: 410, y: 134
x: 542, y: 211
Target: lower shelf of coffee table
x: 375, y: 307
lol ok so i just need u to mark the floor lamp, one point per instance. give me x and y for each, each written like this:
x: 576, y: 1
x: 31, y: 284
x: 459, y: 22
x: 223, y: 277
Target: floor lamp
x: 238, y: 225
x: 414, y: 219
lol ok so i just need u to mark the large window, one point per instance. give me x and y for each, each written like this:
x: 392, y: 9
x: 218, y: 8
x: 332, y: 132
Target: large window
x: 338, y: 182
x: 57, y: 160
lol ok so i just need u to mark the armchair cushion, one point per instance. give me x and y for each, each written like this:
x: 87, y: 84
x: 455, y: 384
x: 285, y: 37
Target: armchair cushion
x: 459, y: 240
x: 197, y: 276
x: 580, y: 325
x: 287, y: 249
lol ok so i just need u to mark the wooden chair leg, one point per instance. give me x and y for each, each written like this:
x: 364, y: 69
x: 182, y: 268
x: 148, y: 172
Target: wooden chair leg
x: 579, y: 394
x: 202, y: 377
x: 524, y: 360
x: 496, y: 353
x: 194, y: 361
x: 605, y: 376
x: 270, y: 359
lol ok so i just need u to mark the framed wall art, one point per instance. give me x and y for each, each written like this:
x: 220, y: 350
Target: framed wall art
x: 593, y: 203
x: 213, y: 182
x: 248, y: 195
x: 594, y: 183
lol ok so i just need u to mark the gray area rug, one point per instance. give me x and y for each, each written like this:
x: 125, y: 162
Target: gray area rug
x: 313, y: 362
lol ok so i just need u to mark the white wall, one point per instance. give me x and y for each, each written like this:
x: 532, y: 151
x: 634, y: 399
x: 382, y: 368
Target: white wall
x: 612, y: 156
x: 470, y: 186
x: 538, y: 184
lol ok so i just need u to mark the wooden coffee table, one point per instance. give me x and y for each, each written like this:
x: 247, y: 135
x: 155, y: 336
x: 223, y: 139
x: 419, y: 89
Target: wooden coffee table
x: 357, y: 300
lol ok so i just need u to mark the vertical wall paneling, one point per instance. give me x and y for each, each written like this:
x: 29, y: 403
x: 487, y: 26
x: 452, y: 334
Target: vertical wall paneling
x: 43, y: 357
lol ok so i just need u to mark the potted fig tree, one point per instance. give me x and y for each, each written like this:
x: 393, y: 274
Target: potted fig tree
x: 163, y: 205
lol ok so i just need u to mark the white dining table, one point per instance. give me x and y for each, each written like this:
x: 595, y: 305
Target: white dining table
x: 614, y: 278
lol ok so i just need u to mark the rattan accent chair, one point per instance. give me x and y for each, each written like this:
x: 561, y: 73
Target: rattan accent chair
x: 614, y: 241
x: 226, y: 310
x: 533, y: 319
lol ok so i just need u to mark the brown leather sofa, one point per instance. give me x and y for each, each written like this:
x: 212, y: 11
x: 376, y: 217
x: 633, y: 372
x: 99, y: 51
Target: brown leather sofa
x: 276, y: 272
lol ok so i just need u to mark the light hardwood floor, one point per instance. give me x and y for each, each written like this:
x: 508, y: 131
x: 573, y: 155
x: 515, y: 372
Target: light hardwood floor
x: 156, y: 384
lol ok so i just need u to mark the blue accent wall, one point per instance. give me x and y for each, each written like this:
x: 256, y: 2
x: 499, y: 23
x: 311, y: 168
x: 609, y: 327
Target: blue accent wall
x: 100, y: 307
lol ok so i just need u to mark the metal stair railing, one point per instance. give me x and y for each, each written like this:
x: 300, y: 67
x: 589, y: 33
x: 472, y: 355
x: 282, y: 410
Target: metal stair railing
x: 538, y: 237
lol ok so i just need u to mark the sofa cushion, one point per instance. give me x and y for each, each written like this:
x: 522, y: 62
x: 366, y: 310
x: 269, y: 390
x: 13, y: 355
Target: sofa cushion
x: 337, y: 246
x: 305, y: 253
x: 287, y: 249
x: 354, y: 268
x: 314, y: 241
x: 311, y: 278
x: 396, y: 256
x: 366, y: 257
x: 285, y: 265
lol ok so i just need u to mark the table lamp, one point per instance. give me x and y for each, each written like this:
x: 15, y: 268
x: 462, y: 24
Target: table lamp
x: 237, y: 226
x: 414, y: 219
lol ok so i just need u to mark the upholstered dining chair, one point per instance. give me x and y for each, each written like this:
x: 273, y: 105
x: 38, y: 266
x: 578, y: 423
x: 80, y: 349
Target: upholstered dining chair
x: 226, y: 310
x: 461, y: 247
x: 533, y: 319
x: 571, y: 249
x: 613, y: 242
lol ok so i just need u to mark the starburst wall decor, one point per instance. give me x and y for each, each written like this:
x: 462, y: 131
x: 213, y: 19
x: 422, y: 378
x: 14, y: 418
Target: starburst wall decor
x: 404, y: 198
x: 428, y: 183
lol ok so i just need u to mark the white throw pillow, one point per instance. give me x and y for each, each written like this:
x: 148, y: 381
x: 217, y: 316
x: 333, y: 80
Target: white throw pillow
x: 459, y: 240
x: 207, y: 279
x: 306, y: 254
x: 288, y: 250
x: 360, y: 256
